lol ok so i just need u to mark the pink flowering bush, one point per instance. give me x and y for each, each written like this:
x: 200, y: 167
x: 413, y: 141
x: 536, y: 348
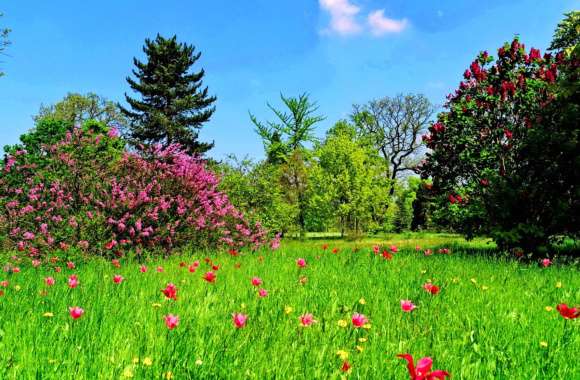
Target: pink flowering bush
x: 87, y: 192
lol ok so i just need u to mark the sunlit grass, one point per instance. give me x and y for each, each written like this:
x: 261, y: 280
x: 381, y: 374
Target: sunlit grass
x: 488, y: 321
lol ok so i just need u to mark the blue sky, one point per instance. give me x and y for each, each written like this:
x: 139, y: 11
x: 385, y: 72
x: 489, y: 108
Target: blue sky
x: 340, y: 51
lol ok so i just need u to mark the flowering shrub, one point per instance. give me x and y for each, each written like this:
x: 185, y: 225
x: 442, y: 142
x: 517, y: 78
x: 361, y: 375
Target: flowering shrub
x: 87, y: 191
x: 504, y: 154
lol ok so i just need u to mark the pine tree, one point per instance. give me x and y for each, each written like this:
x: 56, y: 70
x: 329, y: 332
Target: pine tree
x: 173, y: 105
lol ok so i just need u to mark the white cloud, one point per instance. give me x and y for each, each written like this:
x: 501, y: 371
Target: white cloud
x: 342, y: 16
x: 381, y: 25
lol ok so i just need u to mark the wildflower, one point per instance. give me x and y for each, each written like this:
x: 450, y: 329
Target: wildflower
x: 358, y: 320
x: 558, y: 284
x: 407, y: 306
x: 342, y: 323
x: 288, y: 309
x: 160, y: 269
x: 362, y: 301
x: 192, y: 268
x: 306, y: 320
x: 387, y: 255
x: 142, y: 269
x: 170, y: 291
x: 301, y: 263
x: 303, y: 280
x: 4, y: 283
x: 544, y: 344
x: 17, y: 288
x: 171, y: 321
x: 73, y: 281
x: 428, y: 252
x: 198, y: 362
x: 117, y: 279
x: 345, y: 366
x: 76, y: 312
x: 49, y: 281
x: 36, y: 263
x: 147, y: 361
x: 546, y: 262
x: 262, y: 292
x: 209, y: 277
x: 256, y: 281
x: 116, y: 263
x: 568, y: 312
x: 423, y: 369
x: 16, y: 270
x: 156, y: 305
x: 360, y: 348
x: 362, y: 340
x: 549, y: 308
x: 335, y: 250
x: 70, y: 265
x: 484, y: 287
x: 342, y: 354
x: 48, y: 314
x: 394, y: 248
x: 239, y: 320
x: 168, y: 375
x: 128, y: 372
x: 430, y: 288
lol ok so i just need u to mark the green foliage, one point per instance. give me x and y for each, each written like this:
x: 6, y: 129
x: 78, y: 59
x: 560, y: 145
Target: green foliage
x: 291, y: 130
x: 173, y: 105
x: 567, y: 34
x: 4, y: 42
x: 75, y: 109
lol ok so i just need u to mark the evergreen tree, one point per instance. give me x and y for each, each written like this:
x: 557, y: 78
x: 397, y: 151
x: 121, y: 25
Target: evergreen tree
x: 173, y: 104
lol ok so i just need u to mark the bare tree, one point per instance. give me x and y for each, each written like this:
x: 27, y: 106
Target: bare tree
x: 3, y: 41
x: 394, y: 126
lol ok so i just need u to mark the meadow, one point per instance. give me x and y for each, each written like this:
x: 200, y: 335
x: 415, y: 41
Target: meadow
x: 492, y: 318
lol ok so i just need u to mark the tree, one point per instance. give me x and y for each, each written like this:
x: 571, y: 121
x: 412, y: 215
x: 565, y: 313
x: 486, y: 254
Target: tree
x: 292, y: 129
x: 505, y: 153
x: 394, y: 126
x: 4, y: 42
x: 567, y: 34
x: 76, y: 108
x: 348, y: 185
x: 173, y: 105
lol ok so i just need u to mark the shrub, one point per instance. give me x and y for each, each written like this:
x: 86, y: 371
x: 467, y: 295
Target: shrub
x: 87, y: 191
x: 504, y: 158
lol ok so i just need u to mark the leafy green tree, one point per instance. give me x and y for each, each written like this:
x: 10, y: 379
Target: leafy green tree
x: 567, y: 34
x: 350, y: 181
x: 292, y: 129
x: 394, y: 126
x: 4, y: 42
x: 76, y: 108
x: 173, y: 105
x: 405, y: 195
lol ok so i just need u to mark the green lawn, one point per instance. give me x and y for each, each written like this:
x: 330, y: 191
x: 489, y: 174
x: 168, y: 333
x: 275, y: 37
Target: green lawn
x: 487, y: 322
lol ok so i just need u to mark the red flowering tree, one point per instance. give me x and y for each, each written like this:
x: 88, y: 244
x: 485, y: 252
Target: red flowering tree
x: 88, y: 192
x: 504, y: 155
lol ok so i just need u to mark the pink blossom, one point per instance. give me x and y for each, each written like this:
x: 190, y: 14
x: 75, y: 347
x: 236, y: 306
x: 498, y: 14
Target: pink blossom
x: 301, y: 263
x: 76, y: 312
x: 546, y: 262
x: 359, y: 320
x: 73, y: 281
x: 117, y: 279
x: 239, y: 320
x: 171, y: 321
x: 263, y: 293
x: 256, y: 281
x: 49, y: 281
x: 306, y: 320
x: 407, y: 306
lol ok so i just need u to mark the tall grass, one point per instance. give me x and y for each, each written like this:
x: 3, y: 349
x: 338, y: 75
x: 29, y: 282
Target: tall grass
x: 489, y: 321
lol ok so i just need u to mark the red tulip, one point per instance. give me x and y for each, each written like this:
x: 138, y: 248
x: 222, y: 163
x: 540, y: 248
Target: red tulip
x: 171, y: 321
x: 170, y: 291
x: 117, y: 279
x: 301, y: 262
x: 423, y: 369
x: 387, y: 255
x: 568, y: 312
x: 263, y: 293
x: 239, y: 320
x: 359, y: 320
x: 49, y: 281
x: 407, y: 306
x: 306, y: 319
x: 210, y: 276
x: 76, y: 312
x: 256, y: 281
x: 73, y: 281
x: 546, y: 262
x: 345, y: 366
x: 142, y: 269
x: 429, y: 287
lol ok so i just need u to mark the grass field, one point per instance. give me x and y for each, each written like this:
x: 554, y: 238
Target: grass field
x: 490, y: 319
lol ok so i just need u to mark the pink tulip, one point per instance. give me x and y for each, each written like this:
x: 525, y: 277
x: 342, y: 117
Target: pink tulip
x: 423, y: 369
x: 429, y: 287
x: 170, y: 291
x: 4, y: 283
x: 49, y: 281
x: 159, y: 269
x: 171, y: 321
x: 407, y: 306
x: 239, y: 320
x: 16, y: 270
x: 73, y: 281
x: 210, y: 277
x: 70, y: 265
x: 256, y: 281
x: 394, y: 248
x: 306, y: 319
x: 117, y: 279
x: 142, y: 269
x: 546, y: 262
x: 36, y: 263
x: 359, y: 320
x: 76, y: 312
x: 192, y: 268
x: 301, y: 263
x: 262, y: 292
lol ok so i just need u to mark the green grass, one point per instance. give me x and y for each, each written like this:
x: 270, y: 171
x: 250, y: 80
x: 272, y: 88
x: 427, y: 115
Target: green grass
x: 487, y: 322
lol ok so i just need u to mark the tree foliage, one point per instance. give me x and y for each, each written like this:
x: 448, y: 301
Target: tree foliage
x: 174, y: 105
x: 4, y: 42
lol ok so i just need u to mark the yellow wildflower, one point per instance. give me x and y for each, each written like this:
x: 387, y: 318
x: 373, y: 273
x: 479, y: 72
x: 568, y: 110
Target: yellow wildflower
x: 135, y: 360
x: 128, y: 372
x: 198, y: 362
x: 362, y: 301
x: 544, y: 344
x: 156, y: 305
x: 17, y: 288
x: 423, y: 271
x: 48, y: 314
x: 367, y: 326
x: 549, y: 308
x: 360, y: 348
x: 168, y: 375
x: 473, y: 280
x: 362, y: 340
x: 243, y: 305
x: 147, y: 361
x: 288, y: 309
x: 559, y: 284
x: 342, y: 354
x: 484, y: 287
x: 342, y: 323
